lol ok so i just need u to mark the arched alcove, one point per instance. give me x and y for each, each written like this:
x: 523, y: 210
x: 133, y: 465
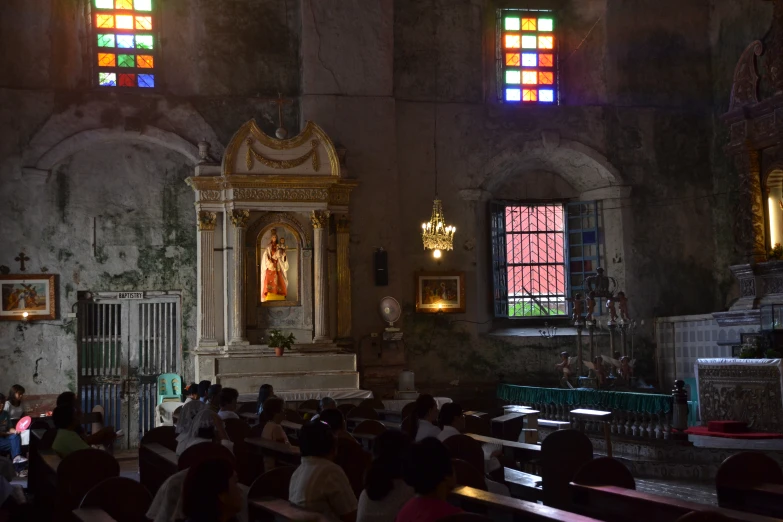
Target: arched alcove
x: 773, y: 190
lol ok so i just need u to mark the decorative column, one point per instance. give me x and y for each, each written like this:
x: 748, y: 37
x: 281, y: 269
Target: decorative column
x: 239, y: 220
x: 206, y: 297
x: 343, y: 277
x: 749, y: 221
x: 320, y: 220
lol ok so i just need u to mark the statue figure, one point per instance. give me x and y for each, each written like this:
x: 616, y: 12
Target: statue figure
x: 610, y: 305
x: 564, y: 366
x: 590, y: 306
x: 597, y: 370
x: 274, y: 270
x: 578, y: 303
x: 626, y: 367
x: 622, y: 304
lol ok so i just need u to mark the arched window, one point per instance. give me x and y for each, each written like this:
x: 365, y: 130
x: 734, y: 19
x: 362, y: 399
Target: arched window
x: 125, y: 43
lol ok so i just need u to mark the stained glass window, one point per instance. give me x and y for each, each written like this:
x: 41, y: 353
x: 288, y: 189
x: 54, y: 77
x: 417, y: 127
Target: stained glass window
x: 126, y: 44
x: 542, y: 253
x: 527, y: 47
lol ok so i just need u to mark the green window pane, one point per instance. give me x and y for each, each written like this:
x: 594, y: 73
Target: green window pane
x: 105, y: 40
x: 513, y: 77
x: 512, y: 23
x: 143, y: 5
x: 529, y: 41
x: 545, y: 24
x: 104, y: 4
x: 144, y: 41
x: 126, y: 60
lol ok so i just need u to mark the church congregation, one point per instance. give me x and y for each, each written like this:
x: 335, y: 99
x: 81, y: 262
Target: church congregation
x: 391, y: 260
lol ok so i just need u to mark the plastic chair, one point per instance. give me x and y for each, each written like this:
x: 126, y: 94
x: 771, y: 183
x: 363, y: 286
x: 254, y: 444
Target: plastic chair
x: 169, y: 387
x: 693, y: 401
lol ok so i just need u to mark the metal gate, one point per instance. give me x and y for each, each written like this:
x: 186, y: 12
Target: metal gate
x: 123, y: 345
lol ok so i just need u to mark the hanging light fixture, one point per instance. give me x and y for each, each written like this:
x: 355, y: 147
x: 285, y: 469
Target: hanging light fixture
x: 436, y: 235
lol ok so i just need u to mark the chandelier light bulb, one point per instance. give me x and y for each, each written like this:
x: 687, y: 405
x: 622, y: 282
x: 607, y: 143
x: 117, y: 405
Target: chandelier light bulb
x: 436, y: 254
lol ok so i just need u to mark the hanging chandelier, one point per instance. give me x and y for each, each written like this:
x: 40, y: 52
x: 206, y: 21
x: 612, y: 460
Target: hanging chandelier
x: 436, y: 235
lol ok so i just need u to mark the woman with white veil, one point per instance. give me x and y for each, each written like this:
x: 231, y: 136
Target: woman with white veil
x: 206, y: 426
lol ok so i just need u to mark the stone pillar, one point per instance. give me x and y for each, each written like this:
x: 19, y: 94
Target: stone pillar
x: 206, y: 281
x: 749, y: 222
x: 343, y: 277
x: 239, y: 219
x: 320, y: 220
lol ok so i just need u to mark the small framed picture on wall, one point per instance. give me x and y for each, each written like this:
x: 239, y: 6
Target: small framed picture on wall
x: 440, y: 292
x: 28, y: 297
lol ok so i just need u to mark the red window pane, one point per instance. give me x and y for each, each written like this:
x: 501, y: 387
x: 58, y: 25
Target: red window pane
x: 127, y: 80
x: 546, y: 78
x: 546, y: 60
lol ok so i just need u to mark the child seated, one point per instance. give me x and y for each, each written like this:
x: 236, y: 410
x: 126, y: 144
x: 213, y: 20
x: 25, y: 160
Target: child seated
x: 10, y: 441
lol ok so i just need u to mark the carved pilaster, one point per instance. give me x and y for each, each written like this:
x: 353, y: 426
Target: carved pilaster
x: 320, y: 219
x: 343, y: 222
x: 239, y: 219
x: 206, y: 266
x: 749, y: 221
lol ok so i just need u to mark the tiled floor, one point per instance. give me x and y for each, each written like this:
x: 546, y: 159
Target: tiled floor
x: 692, y: 492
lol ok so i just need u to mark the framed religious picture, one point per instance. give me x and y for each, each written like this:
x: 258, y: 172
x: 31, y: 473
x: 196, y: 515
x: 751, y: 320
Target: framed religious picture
x: 440, y: 292
x: 278, y: 250
x: 28, y: 297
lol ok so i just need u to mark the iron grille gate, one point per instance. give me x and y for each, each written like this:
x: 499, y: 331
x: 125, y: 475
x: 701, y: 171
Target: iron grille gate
x: 123, y: 345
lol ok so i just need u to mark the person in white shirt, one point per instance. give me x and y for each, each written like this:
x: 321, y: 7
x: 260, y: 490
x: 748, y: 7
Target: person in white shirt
x: 318, y: 484
x: 423, y: 417
x: 452, y: 420
x: 228, y: 403
x: 385, y: 490
x: 273, y: 416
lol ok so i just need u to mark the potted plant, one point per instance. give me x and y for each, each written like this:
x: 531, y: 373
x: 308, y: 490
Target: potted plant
x: 280, y: 342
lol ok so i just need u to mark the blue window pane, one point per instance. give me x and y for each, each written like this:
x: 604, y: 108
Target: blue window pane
x: 546, y: 95
x: 513, y: 94
x: 107, y: 79
x: 125, y: 41
x: 588, y: 238
x: 529, y: 60
x: 146, y: 80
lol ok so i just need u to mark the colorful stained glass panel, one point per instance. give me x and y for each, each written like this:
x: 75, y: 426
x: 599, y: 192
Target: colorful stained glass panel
x: 125, y: 41
x: 126, y: 60
x: 107, y: 79
x: 512, y: 41
x: 546, y: 24
x: 105, y: 40
x: 143, y: 23
x: 546, y: 42
x: 512, y: 77
x: 143, y: 5
x: 546, y: 78
x: 123, y: 4
x: 529, y: 95
x: 529, y: 24
x: 147, y: 80
x: 545, y: 60
x: 512, y: 23
x: 104, y: 4
x: 124, y: 22
x: 528, y: 41
x: 529, y: 77
x: 144, y: 61
x: 513, y: 95
x: 512, y: 59
x: 529, y: 59
x: 144, y: 41
x: 546, y: 95
x: 127, y: 80
x: 107, y: 60
x: 104, y: 21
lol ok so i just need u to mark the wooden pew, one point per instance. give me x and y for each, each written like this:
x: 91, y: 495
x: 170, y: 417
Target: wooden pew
x: 282, y: 453
x: 614, y: 504
x: 563, y: 453
x: 156, y: 464
x: 92, y: 515
x: 123, y: 499
x: 499, y: 506
x: 604, y: 417
x: 750, y: 481
x: 279, y: 510
x: 74, y: 476
x: 516, y: 450
x: 509, y: 426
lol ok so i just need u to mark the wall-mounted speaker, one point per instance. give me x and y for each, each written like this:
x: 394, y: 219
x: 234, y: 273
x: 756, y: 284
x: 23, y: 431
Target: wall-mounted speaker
x: 381, y: 267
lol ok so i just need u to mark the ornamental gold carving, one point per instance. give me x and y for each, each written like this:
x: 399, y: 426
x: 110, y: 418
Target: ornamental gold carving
x: 207, y: 220
x: 281, y: 194
x: 320, y: 218
x: 240, y: 218
x: 749, y: 222
x: 209, y: 195
x: 312, y: 154
x: 343, y: 223
x: 339, y: 197
x: 284, y: 218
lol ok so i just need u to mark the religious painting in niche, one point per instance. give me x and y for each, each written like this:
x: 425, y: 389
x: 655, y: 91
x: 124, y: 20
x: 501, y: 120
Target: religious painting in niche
x: 28, y: 297
x: 278, y: 266
x: 440, y: 292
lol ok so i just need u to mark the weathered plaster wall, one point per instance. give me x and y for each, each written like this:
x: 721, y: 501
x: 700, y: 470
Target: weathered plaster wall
x: 384, y: 79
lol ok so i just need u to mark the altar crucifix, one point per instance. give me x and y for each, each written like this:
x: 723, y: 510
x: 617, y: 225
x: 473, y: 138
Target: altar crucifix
x: 281, y: 132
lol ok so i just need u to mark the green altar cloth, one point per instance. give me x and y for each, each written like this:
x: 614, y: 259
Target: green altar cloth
x: 605, y: 400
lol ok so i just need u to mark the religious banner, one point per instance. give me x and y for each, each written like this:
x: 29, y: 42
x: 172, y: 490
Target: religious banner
x: 28, y: 297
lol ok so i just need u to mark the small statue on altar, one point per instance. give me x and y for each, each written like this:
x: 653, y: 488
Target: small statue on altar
x: 590, y: 306
x: 597, y: 371
x: 610, y: 305
x: 578, y: 303
x: 626, y: 367
x: 564, y: 366
x: 622, y: 304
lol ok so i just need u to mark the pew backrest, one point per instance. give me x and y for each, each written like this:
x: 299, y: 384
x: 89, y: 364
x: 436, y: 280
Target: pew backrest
x: 355, y: 461
x: 563, y: 453
x: 468, y: 475
x: 605, y: 471
x: 466, y: 448
x: 81, y: 471
x: 166, y: 436
x: 204, y: 451
x: 274, y: 483
x: 156, y: 464
x: 122, y: 498
x: 281, y: 510
x: 742, y: 471
x: 472, y: 499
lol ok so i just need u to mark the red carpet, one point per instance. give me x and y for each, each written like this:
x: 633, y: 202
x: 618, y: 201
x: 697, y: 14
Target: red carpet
x: 704, y: 431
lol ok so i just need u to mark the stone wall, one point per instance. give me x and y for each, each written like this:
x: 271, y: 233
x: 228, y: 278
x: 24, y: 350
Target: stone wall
x: 642, y: 84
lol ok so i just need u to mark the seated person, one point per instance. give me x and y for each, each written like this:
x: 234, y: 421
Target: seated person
x: 213, y: 397
x: 10, y: 441
x: 385, y: 491
x: 326, y: 403
x: 264, y: 392
x: 423, y: 417
x: 191, y: 393
x: 203, y: 389
x: 318, y: 484
x: 273, y: 415
x: 205, y: 427
x: 451, y: 420
x: 103, y: 437
x: 429, y: 472
x: 187, y: 414
x: 13, y: 405
x: 211, y: 492
x: 336, y: 421
x: 228, y: 404
x: 67, y: 420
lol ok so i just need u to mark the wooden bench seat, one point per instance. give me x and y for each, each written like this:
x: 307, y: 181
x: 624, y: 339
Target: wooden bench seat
x: 763, y: 499
x: 355, y: 421
x: 280, y: 510
x: 282, y: 453
x: 524, y: 486
x: 92, y: 515
x: 516, y: 450
x: 156, y: 464
x: 612, y: 503
x: 496, y: 506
